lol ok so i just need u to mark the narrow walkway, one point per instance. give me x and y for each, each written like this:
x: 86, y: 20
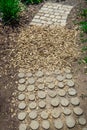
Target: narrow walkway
x: 52, y: 14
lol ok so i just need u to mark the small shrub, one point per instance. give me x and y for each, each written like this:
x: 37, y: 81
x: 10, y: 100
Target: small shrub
x: 10, y: 10
x: 84, y: 13
x: 32, y: 1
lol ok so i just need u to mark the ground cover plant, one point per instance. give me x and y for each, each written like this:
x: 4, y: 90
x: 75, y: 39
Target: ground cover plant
x: 10, y: 10
x: 32, y: 1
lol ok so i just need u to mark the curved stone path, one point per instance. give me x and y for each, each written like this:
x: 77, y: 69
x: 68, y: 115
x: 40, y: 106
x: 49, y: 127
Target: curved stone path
x: 55, y: 107
x: 52, y: 14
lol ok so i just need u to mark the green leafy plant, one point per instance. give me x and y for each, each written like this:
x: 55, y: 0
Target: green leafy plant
x: 85, y: 59
x: 84, y: 26
x: 84, y: 48
x: 84, y: 13
x: 10, y: 10
x: 32, y: 1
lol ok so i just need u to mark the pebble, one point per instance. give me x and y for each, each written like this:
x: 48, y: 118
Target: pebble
x: 75, y: 101
x: 41, y: 86
x: 69, y: 76
x: 22, y: 127
x: 34, y: 125
x: 31, y: 80
x: 49, y: 79
x: 41, y: 94
x: 29, y: 74
x: 21, y: 75
x: 78, y: 111
x: 42, y: 104
x: 57, y: 72
x: 82, y: 121
x: 60, y: 85
x: 58, y: 124
x: 51, y: 86
x: 21, y: 116
x: 21, y: 81
x: 70, y: 83
x: 52, y: 93
x: 72, y: 92
x: 44, y: 115
x: 32, y: 105
x: 55, y: 102
x: 21, y: 87
x: 64, y: 102
x: 45, y: 124
x: 30, y: 88
x: 33, y: 115
x: 21, y: 97
x: 22, y: 106
x: 56, y: 113
x: 40, y: 80
x: 70, y: 122
x: 67, y: 71
x: 31, y: 97
x: 84, y: 128
x: 61, y: 93
x: 39, y: 74
x: 60, y: 78
x: 67, y: 111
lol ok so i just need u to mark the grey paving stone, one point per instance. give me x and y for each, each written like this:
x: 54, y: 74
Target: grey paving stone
x: 41, y: 94
x: 75, y: 101
x: 67, y: 111
x: 44, y: 115
x: 34, y: 125
x: 61, y: 85
x: 60, y: 78
x: 55, y: 102
x: 31, y: 80
x: 64, y: 102
x: 72, y: 91
x: 78, y: 111
x: 21, y: 81
x: 58, y: 124
x: 22, y: 127
x: 40, y: 80
x: 70, y: 122
x: 61, y: 93
x: 70, y: 83
x: 22, y: 116
x: 69, y: 76
x: 22, y: 105
x: 42, y: 104
x: 21, y: 75
x: 21, y: 87
x: 30, y: 88
x: 45, y: 124
x: 21, y: 97
x: 32, y: 105
x: 56, y: 113
x: 51, y: 86
x: 52, y: 93
x: 41, y: 86
x: 32, y: 97
x: 39, y: 74
x: 29, y: 74
x: 33, y: 115
x: 82, y: 121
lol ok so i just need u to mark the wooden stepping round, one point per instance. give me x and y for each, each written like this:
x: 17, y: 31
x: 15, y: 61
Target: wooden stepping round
x: 21, y: 97
x: 41, y: 86
x: 45, y: 124
x: 51, y: 86
x: 32, y: 105
x: 30, y: 88
x: 56, y: 113
x: 44, y: 115
x: 42, y: 104
x: 78, y: 111
x: 34, y: 125
x: 32, y: 97
x: 22, y: 116
x: 22, y: 105
x: 21, y: 87
x: 58, y: 124
x: 52, y: 94
x: 21, y: 81
x: 72, y: 91
x: 64, y: 102
x: 41, y: 94
x: 55, y: 102
x: 60, y: 85
x: 82, y: 121
x: 61, y: 93
x: 70, y: 122
x: 21, y: 75
x: 75, y: 101
x: 67, y: 111
x: 22, y: 127
x: 33, y: 115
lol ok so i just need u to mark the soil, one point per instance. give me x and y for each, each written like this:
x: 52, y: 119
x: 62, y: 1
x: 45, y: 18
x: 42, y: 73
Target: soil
x: 8, y: 71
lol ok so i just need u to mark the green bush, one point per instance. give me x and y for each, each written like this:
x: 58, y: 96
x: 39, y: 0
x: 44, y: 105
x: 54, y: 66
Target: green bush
x: 10, y: 10
x: 32, y: 1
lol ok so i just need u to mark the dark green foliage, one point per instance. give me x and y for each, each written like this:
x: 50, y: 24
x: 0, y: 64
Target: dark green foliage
x: 84, y: 13
x: 10, y: 10
x: 85, y: 59
x: 32, y: 1
x: 84, y: 26
x: 84, y: 48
